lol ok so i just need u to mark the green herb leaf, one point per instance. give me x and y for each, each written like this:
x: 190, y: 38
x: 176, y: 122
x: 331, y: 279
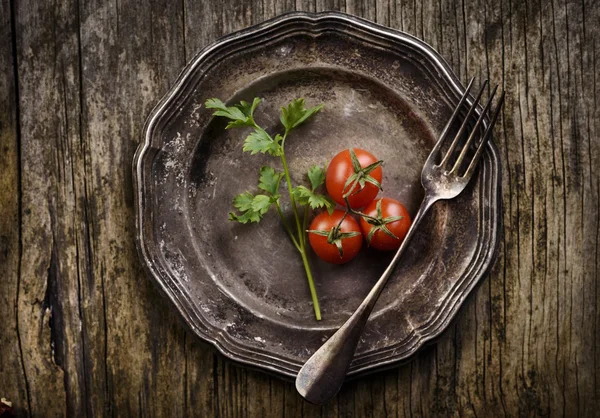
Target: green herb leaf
x: 296, y: 113
x: 241, y: 114
x: 252, y: 207
x: 301, y: 194
x: 261, y: 203
x: 230, y: 112
x: 247, y: 108
x: 316, y: 175
x: 269, y: 180
x: 305, y: 196
x: 255, y: 104
x: 261, y: 141
x: 243, y: 201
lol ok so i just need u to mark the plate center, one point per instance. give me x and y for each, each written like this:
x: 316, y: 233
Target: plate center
x: 257, y: 265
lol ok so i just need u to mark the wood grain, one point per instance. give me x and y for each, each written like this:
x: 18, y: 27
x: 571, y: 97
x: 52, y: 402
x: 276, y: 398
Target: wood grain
x: 11, y: 350
x: 85, y: 333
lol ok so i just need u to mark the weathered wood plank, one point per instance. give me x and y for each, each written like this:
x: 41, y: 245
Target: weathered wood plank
x: 13, y: 381
x: 41, y: 84
x: 130, y: 52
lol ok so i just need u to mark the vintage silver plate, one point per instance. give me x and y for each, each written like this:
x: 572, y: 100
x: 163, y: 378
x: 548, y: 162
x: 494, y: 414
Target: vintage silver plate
x: 242, y: 287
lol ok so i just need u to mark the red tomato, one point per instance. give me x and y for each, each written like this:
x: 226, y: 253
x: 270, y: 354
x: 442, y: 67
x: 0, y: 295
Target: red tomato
x: 341, y: 168
x: 386, y: 213
x: 325, y: 237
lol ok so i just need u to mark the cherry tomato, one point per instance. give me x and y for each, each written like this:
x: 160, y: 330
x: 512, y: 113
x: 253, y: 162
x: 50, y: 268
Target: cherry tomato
x: 386, y: 214
x: 334, y: 244
x: 367, y: 174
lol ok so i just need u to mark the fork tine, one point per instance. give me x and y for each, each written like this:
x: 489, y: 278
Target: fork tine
x: 463, y: 126
x: 461, y: 157
x: 440, y: 141
x: 486, y: 136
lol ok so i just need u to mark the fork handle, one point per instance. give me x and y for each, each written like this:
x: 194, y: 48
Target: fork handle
x: 321, y: 377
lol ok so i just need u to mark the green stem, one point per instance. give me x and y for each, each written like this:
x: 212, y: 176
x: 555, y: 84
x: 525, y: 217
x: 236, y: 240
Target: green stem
x: 355, y: 212
x: 301, y: 233
x: 287, y: 228
x: 304, y: 221
x: 288, y: 180
x: 311, y: 285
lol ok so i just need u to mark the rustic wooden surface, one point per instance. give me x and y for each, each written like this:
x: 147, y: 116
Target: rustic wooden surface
x: 85, y: 332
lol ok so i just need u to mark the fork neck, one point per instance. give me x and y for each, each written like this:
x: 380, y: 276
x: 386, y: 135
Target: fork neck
x: 426, y: 204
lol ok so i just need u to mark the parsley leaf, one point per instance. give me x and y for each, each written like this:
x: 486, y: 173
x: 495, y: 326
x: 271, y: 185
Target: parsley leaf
x: 296, y: 113
x: 247, y: 108
x: 261, y: 141
x: 243, y: 201
x: 269, y: 180
x: 316, y: 175
x: 261, y: 203
x: 241, y: 114
x: 305, y: 196
x: 301, y: 194
x: 252, y: 207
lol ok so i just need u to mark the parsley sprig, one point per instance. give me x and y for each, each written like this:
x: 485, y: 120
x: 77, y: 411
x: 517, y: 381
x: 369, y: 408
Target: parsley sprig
x: 252, y: 207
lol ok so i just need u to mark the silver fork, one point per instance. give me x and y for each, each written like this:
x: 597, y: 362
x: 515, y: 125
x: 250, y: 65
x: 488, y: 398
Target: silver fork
x: 323, y: 374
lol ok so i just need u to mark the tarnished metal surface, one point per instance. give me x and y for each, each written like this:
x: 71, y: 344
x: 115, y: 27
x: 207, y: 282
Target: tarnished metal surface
x: 242, y: 287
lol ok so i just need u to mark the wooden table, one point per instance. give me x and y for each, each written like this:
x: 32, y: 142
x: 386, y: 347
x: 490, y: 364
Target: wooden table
x: 86, y: 333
